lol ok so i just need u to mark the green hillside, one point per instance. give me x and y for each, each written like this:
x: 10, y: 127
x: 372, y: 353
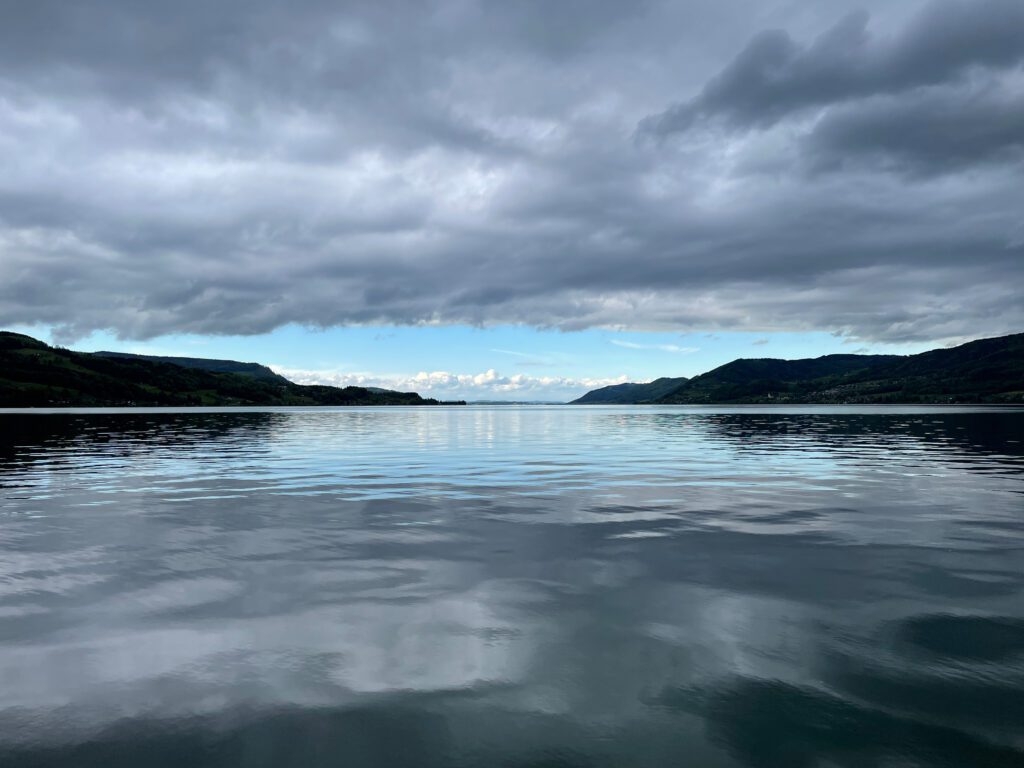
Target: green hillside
x: 754, y: 380
x: 256, y: 370
x: 631, y: 393
x: 33, y: 374
x: 984, y: 371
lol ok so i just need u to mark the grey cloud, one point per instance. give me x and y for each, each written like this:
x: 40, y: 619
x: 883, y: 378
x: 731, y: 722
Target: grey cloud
x: 937, y: 131
x: 774, y: 76
x: 230, y: 168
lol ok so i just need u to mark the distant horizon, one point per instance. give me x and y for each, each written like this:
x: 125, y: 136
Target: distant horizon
x: 640, y: 353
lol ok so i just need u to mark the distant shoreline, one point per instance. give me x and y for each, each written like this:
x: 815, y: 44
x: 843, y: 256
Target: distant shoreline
x: 711, y: 407
x: 985, y: 372
x: 35, y: 375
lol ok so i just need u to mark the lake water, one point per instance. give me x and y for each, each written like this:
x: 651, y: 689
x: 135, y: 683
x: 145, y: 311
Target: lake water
x: 512, y: 586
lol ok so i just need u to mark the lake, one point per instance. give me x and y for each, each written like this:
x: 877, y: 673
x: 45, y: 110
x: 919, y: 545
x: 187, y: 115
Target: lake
x: 512, y: 586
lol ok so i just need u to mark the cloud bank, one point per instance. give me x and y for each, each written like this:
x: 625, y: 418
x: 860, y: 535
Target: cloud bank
x: 227, y: 168
x: 467, y: 386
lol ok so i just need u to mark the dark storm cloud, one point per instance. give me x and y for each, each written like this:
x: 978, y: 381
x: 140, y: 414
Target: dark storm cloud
x: 929, y: 133
x: 232, y: 167
x: 774, y: 76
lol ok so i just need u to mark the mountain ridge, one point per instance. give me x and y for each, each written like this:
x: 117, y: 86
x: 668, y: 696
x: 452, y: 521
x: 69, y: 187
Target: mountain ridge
x: 214, y: 365
x: 34, y: 374
x: 982, y: 371
x: 630, y: 392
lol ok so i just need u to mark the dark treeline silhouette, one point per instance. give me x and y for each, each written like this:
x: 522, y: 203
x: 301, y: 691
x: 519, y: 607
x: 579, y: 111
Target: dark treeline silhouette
x: 985, y: 371
x: 34, y: 374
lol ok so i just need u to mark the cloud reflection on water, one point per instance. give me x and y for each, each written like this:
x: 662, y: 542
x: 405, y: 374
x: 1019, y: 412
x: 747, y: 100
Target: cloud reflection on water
x: 467, y: 587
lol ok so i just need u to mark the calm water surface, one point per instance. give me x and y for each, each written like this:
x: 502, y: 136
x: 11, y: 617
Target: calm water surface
x: 563, y: 586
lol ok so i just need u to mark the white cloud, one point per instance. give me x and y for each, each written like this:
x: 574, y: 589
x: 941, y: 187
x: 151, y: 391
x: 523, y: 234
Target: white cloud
x: 489, y: 384
x: 660, y: 347
x: 513, y: 353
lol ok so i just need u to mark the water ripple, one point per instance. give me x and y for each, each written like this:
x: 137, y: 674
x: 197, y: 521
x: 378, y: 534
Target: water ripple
x: 512, y: 586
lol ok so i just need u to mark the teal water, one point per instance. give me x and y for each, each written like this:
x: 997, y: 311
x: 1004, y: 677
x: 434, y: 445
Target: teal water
x: 512, y: 586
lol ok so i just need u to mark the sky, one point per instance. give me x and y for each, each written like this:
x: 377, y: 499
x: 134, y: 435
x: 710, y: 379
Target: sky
x: 511, y: 200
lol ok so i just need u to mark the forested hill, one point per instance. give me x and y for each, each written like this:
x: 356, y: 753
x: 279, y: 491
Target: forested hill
x: 985, y: 371
x: 33, y: 374
x: 255, y: 370
x: 631, y: 393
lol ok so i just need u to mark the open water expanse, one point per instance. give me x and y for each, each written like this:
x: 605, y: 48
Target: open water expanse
x: 512, y: 586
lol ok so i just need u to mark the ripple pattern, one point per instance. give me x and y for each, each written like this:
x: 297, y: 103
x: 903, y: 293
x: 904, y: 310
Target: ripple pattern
x: 620, y: 586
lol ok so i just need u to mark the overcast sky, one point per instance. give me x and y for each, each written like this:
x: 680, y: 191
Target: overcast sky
x: 764, y: 171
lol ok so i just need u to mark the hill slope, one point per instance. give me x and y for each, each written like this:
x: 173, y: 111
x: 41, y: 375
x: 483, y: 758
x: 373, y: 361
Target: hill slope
x: 760, y: 379
x: 631, y: 393
x: 33, y: 374
x: 984, y: 371
x: 256, y: 370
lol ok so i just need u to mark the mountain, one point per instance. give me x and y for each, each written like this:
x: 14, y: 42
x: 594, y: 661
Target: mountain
x: 984, y: 371
x: 763, y: 379
x: 33, y: 374
x: 206, y: 364
x: 631, y: 393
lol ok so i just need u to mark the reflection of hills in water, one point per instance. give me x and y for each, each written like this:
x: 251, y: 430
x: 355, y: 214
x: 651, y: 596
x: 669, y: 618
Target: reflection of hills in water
x: 156, y: 429
x: 984, y: 433
x: 60, y: 439
x: 987, y: 433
